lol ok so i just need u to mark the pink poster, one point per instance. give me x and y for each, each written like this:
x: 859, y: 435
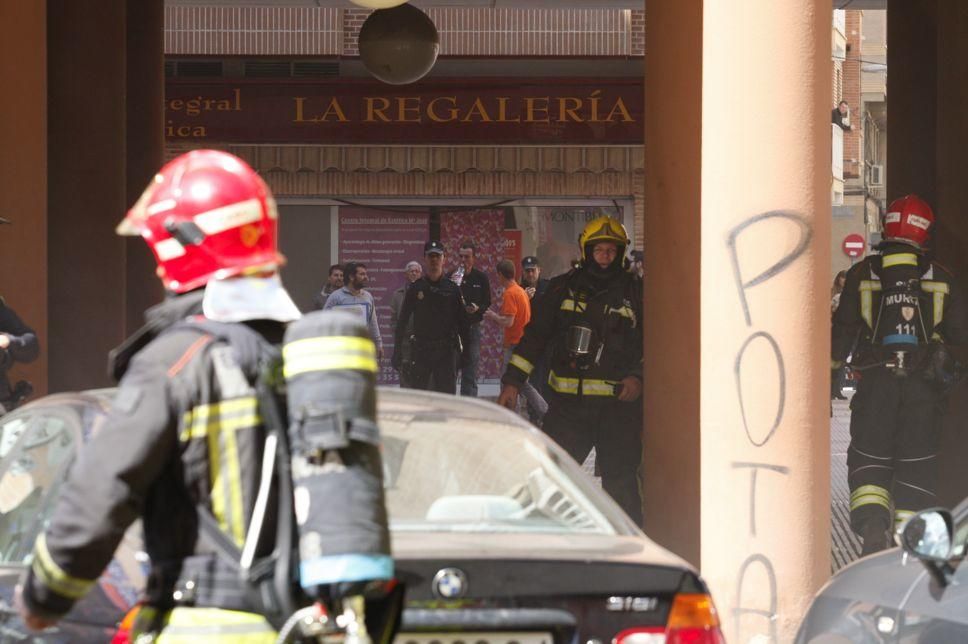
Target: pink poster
x: 385, y: 241
x: 486, y: 229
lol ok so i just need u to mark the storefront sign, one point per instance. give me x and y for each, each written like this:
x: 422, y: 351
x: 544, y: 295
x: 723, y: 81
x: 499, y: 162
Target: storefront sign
x: 454, y: 111
x: 385, y: 241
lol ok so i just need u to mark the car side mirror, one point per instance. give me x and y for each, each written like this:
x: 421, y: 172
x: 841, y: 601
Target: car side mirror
x: 928, y: 535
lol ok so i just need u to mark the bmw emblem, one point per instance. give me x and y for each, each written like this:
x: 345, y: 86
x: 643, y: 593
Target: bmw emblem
x: 449, y: 583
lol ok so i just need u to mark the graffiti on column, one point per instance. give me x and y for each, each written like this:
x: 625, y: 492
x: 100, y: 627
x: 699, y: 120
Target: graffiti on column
x: 759, y: 438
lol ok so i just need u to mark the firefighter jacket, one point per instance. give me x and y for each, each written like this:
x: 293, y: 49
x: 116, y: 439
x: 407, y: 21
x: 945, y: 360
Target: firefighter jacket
x: 183, y: 432
x: 941, y: 304
x: 611, y: 307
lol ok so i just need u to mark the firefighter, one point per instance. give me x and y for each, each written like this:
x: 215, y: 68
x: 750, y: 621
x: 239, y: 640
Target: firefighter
x: 901, y: 309
x: 591, y: 317
x: 182, y: 445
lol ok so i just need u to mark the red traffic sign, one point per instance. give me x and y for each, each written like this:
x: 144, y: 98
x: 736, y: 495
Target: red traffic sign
x: 854, y: 245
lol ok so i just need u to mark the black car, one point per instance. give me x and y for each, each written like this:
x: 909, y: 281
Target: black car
x: 915, y: 593
x: 498, y: 534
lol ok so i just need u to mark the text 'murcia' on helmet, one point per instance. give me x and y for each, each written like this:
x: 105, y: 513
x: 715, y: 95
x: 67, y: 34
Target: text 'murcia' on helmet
x: 206, y: 215
x: 908, y: 221
x: 603, y: 229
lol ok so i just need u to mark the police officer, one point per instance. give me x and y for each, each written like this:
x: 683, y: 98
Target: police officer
x: 440, y: 326
x: 591, y: 317
x: 531, y: 281
x: 900, y: 308
x: 182, y: 439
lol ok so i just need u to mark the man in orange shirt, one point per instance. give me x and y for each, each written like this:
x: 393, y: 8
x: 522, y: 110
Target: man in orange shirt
x: 514, y: 316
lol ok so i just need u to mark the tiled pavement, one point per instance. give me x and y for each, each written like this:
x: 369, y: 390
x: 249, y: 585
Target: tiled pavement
x: 844, y: 545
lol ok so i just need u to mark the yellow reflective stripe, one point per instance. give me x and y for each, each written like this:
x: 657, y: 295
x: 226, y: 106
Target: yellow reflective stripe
x: 870, y: 495
x: 938, y: 291
x: 53, y: 576
x: 590, y: 387
x: 900, y: 516
x: 521, y: 364
x: 217, y: 480
x: 218, y: 423
x: 866, y: 287
x: 329, y: 353
x: 236, y: 517
x: 934, y: 287
x: 213, y: 625
x: 204, y: 419
x: 625, y: 312
x: 899, y: 259
x: 571, y: 305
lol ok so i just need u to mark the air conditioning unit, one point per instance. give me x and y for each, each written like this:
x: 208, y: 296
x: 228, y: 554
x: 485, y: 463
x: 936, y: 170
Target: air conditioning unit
x: 877, y: 175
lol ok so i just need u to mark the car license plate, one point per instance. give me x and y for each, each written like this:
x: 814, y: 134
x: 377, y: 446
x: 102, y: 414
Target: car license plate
x: 475, y: 637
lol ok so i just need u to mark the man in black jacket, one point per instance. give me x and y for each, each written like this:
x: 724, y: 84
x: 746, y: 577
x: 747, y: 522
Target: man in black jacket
x: 900, y: 309
x: 591, y: 317
x: 475, y: 290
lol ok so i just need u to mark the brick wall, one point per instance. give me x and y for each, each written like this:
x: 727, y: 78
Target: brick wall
x: 464, y: 31
x: 853, y: 141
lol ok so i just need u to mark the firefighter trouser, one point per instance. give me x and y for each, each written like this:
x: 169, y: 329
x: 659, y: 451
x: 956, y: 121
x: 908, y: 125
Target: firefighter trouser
x: 892, y: 459
x: 434, y: 367
x: 186, y: 625
x: 614, y: 429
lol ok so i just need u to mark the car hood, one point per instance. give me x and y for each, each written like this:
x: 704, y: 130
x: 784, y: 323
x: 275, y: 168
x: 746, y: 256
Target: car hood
x: 883, y: 579
x: 409, y: 545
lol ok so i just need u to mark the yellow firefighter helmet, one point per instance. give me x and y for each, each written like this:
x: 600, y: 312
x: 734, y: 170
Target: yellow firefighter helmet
x: 603, y: 229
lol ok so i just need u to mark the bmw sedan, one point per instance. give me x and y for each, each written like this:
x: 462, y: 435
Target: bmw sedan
x: 915, y: 593
x: 499, y: 536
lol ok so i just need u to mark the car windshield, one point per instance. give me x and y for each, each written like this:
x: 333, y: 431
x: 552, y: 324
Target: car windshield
x: 469, y: 467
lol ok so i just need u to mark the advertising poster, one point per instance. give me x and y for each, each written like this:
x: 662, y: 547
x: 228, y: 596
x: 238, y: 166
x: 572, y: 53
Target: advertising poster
x: 385, y: 241
x: 512, y: 249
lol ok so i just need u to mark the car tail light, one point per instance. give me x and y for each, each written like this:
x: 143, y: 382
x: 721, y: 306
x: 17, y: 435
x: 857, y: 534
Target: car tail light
x: 123, y: 634
x: 692, y: 620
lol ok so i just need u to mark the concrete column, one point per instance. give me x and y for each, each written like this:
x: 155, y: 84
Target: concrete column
x: 86, y: 174
x: 145, y: 144
x: 912, y: 113
x: 951, y: 233
x: 23, y: 171
x: 673, y: 164
x: 765, y: 449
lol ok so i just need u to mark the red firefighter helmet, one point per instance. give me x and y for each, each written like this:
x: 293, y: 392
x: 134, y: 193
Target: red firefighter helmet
x: 206, y: 215
x: 908, y: 220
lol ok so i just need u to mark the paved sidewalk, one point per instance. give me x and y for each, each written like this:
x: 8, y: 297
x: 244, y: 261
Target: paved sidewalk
x: 844, y: 545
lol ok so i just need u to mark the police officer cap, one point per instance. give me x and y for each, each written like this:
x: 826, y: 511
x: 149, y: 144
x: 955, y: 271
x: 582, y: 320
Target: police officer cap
x: 530, y: 262
x: 433, y: 247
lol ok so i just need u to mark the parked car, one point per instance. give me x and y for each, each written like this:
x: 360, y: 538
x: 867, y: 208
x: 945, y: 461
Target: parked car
x: 498, y: 534
x: 915, y: 593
